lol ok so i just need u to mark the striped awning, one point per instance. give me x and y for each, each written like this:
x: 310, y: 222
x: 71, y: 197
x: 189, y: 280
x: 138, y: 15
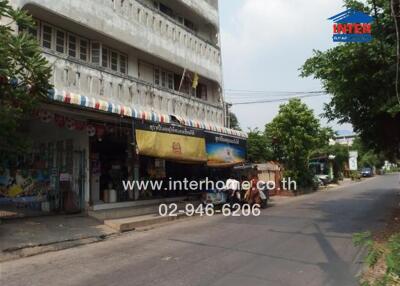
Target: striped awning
x: 107, y: 106
x: 210, y: 127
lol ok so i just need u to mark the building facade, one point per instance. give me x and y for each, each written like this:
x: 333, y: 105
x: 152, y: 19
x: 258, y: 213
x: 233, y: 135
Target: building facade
x: 122, y: 68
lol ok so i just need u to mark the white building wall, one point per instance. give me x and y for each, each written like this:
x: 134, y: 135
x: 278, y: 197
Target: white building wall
x: 132, y: 92
x: 139, y: 32
x: 138, y: 26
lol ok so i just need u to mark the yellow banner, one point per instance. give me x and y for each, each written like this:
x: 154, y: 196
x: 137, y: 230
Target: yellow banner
x: 171, y: 146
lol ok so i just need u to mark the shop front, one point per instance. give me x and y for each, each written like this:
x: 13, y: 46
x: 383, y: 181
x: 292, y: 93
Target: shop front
x: 51, y: 177
x: 112, y: 161
x: 82, y: 153
x: 85, y: 148
x: 169, y: 152
x: 142, y: 153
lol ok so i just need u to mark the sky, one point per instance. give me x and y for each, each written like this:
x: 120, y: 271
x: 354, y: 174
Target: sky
x: 264, y: 43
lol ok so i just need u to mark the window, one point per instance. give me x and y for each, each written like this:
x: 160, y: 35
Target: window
x: 163, y: 78
x: 83, y: 50
x: 96, y: 53
x: 156, y: 76
x: 170, y: 81
x: 201, y: 91
x: 189, y: 24
x: 72, y: 46
x: 104, y: 57
x: 114, y: 61
x: 166, y: 10
x: 47, y: 36
x: 60, y: 41
x: 122, y: 64
x: 78, y: 47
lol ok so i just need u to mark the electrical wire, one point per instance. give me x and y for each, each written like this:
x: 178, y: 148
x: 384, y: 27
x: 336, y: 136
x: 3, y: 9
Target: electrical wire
x: 268, y: 91
x: 279, y: 99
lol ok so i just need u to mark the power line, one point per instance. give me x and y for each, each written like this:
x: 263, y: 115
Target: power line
x: 243, y: 91
x: 279, y: 99
x: 261, y: 96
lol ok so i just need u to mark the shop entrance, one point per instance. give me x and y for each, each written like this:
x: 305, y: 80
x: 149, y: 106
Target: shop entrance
x: 110, y: 166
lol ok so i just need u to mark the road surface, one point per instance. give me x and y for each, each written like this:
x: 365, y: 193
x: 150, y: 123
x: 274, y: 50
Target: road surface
x: 306, y: 241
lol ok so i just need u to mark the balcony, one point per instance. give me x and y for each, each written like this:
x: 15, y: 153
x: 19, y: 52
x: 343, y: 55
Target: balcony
x: 83, y: 78
x: 139, y: 26
x: 205, y: 8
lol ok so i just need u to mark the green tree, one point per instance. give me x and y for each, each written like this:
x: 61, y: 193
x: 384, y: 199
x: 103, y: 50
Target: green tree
x: 24, y: 78
x: 361, y: 77
x: 294, y: 133
x: 257, y: 148
x: 367, y: 157
x: 234, y: 122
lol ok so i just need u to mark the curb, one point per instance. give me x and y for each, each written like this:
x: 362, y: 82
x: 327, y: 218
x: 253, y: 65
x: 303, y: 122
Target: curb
x: 32, y: 250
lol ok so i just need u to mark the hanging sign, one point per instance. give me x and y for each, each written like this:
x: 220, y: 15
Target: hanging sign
x: 224, y: 150
x: 170, y: 142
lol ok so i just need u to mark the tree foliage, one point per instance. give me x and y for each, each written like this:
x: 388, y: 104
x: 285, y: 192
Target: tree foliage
x: 361, y: 79
x: 234, y: 122
x: 293, y: 134
x: 24, y: 78
x: 258, y: 150
x: 367, y: 157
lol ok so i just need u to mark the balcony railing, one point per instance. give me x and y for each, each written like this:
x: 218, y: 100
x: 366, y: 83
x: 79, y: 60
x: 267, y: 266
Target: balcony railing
x: 166, y: 27
x: 83, y: 78
x: 138, y: 26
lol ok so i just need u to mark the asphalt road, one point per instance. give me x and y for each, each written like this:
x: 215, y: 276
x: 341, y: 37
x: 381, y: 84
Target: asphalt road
x: 306, y: 241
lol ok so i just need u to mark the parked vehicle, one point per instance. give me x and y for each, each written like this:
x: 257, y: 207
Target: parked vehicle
x: 317, y: 182
x: 366, y: 172
x: 325, y: 179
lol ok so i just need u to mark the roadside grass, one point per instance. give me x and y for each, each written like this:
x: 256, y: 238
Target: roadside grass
x: 383, y: 254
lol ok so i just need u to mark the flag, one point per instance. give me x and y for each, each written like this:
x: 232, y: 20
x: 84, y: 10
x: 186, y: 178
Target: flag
x: 195, y: 81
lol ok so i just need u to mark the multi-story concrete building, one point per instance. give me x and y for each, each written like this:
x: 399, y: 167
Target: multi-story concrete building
x: 123, y: 66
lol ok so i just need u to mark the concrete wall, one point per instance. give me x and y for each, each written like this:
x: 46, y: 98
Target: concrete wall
x: 142, y: 33
x: 129, y: 91
x: 138, y: 26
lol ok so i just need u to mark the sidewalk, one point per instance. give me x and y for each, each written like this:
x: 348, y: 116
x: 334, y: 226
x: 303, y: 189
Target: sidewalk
x: 30, y: 236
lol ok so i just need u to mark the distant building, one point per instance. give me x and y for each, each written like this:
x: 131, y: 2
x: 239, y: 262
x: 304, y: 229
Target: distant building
x: 343, y: 137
